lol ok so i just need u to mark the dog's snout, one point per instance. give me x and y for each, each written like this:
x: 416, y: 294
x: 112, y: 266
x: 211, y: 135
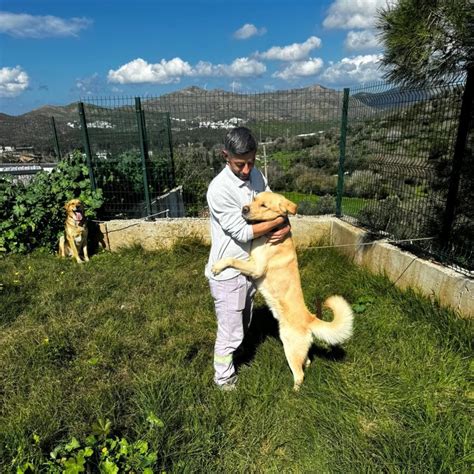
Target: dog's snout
x: 245, y: 210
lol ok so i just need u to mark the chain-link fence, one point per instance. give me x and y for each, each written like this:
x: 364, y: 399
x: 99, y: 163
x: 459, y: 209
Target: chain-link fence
x: 128, y: 146
x: 173, y: 144
x: 399, y: 164
x: 377, y: 155
x: 297, y: 131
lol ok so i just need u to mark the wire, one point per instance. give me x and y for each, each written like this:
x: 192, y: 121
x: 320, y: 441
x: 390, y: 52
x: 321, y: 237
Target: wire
x: 360, y: 244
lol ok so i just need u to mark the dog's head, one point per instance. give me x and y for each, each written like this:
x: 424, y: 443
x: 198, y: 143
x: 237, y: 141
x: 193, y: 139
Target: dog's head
x: 268, y: 206
x: 75, y: 210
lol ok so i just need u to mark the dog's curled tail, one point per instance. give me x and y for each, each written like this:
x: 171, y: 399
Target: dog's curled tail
x: 340, y: 328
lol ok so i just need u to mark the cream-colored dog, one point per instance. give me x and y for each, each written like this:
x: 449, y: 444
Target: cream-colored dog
x: 74, y: 240
x: 274, y: 267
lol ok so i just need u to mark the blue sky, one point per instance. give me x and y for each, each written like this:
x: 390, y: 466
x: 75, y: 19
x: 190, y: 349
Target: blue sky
x: 57, y: 51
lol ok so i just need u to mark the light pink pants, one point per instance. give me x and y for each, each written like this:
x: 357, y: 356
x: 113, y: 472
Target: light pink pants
x: 233, y: 300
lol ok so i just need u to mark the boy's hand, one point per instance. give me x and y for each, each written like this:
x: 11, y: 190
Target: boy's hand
x: 276, y: 236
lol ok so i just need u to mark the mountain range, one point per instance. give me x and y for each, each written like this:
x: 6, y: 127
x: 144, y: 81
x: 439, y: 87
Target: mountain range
x: 188, y: 109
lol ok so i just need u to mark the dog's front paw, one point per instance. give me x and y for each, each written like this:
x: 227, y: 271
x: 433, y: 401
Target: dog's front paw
x: 219, y: 266
x: 216, y: 269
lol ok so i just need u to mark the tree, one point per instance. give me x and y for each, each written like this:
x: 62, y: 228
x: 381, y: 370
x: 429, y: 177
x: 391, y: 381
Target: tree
x: 427, y: 41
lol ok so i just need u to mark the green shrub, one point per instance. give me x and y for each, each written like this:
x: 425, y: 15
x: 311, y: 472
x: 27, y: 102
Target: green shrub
x: 32, y: 214
x: 324, y: 205
x: 384, y: 215
x: 311, y: 181
x: 99, y: 452
x: 307, y: 208
x: 195, y: 168
x: 365, y: 184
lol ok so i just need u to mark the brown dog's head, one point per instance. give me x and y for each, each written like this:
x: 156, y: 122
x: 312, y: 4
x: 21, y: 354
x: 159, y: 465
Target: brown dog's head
x: 75, y: 210
x: 268, y: 206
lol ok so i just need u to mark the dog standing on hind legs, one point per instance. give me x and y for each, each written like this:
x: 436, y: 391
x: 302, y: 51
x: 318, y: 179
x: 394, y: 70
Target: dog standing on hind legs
x: 274, y: 267
x: 74, y: 240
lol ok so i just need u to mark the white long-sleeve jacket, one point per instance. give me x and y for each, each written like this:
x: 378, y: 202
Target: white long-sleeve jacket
x: 231, y: 235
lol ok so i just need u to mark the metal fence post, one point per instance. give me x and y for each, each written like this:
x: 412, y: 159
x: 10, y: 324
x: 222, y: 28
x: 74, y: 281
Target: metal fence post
x: 464, y: 125
x: 87, y: 145
x: 144, y: 151
x: 342, y: 153
x: 170, y: 144
x: 55, y: 136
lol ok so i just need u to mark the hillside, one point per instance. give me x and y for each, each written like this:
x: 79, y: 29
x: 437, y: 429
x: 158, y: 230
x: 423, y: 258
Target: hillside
x: 191, y: 109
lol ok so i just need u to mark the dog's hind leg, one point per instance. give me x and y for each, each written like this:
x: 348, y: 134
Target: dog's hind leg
x: 296, y: 350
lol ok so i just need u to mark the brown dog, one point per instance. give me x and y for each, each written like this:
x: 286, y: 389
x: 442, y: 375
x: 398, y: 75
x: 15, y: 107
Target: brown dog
x: 274, y: 267
x: 74, y: 240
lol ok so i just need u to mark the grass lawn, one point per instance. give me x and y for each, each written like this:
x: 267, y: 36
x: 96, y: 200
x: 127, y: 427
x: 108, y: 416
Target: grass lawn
x: 129, y: 338
x: 350, y: 206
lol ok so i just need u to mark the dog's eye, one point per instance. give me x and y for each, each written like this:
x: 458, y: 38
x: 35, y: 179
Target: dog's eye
x: 263, y: 205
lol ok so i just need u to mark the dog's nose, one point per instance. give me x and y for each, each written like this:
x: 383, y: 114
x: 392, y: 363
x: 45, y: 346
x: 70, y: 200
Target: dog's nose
x: 245, y: 210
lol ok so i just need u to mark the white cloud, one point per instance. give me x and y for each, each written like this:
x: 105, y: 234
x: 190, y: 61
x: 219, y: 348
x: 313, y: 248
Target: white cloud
x: 292, y: 52
x: 205, y: 69
x: 362, y: 40
x: 139, y: 71
x: 243, y: 67
x: 357, y: 69
x: 249, y: 30
x: 166, y: 72
x: 350, y: 14
x: 22, y: 25
x: 240, y: 67
x: 301, y: 69
x: 13, y: 81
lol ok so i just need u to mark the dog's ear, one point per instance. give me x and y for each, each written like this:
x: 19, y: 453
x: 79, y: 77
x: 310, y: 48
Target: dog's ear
x: 286, y: 206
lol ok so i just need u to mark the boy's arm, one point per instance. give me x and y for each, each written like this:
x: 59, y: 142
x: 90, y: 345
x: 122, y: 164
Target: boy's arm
x: 262, y: 228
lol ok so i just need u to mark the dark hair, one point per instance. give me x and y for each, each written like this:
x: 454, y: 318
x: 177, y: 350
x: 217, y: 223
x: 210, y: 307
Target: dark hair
x: 240, y: 141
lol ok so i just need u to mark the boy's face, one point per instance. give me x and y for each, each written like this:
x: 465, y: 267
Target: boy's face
x: 241, y: 165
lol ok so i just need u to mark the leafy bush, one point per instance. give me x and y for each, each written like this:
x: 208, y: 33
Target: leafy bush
x: 121, y: 180
x: 324, y: 158
x: 384, y: 215
x: 365, y: 184
x: 307, y: 208
x: 324, y: 205
x: 311, y: 181
x: 195, y: 169
x: 100, y: 452
x: 278, y: 178
x: 32, y: 214
x: 288, y: 158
